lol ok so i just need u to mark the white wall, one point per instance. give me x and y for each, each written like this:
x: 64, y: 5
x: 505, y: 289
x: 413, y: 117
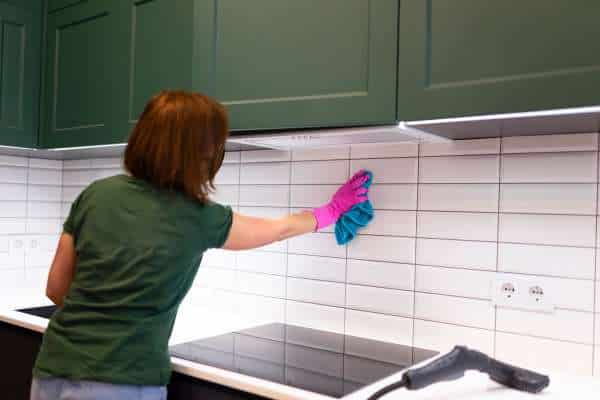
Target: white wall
x: 30, y: 220
x: 449, y: 219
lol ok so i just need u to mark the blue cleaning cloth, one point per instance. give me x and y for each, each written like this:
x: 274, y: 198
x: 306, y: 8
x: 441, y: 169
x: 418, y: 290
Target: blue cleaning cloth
x: 357, y: 218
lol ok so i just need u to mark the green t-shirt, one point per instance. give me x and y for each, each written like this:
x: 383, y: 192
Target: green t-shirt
x: 138, y: 249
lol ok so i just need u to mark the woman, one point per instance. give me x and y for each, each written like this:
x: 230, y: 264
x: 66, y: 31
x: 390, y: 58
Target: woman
x: 131, y: 247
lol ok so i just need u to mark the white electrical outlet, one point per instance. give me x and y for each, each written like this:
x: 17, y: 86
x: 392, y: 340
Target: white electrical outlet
x: 523, y: 293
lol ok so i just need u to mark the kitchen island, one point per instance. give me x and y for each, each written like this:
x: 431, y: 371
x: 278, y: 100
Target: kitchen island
x: 20, y: 336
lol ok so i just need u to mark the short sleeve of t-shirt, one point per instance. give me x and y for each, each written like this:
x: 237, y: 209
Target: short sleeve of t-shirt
x: 220, y: 221
x: 69, y: 225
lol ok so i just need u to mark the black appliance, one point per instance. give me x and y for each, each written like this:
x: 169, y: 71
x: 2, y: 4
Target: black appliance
x: 323, y: 362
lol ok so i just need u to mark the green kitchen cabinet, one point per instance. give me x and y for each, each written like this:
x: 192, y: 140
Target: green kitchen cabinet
x: 170, y: 49
x: 55, y: 5
x: 86, y: 85
x: 472, y: 57
x: 20, y: 46
x: 305, y: 63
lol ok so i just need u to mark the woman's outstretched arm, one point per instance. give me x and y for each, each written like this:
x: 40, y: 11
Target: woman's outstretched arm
x: 251, y: 232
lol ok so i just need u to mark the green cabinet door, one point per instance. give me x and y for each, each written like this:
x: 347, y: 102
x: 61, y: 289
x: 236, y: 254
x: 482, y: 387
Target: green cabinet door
x: 471, y: 57
x: 85, y: 96
x: 170, y: 49
x: 20, y: 37
x: 305, y: 63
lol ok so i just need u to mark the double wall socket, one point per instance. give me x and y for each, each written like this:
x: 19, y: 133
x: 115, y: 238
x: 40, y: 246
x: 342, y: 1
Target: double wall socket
x: 523, y: 293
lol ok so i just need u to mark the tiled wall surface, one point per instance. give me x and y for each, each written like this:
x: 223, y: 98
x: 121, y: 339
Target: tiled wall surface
x: 450, y: 219
x: 30, y: 220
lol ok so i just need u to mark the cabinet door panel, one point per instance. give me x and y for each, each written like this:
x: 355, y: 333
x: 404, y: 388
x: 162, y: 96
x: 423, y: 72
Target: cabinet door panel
x: 468, y: 57
x: 289, y: 64
x: 163, y: 51
x: 54, y: 5
x: 86, y: 75
x: 20, y: 30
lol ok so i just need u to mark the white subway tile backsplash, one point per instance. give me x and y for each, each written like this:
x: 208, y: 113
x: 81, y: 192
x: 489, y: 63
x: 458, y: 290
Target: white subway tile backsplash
x: 382, y: 327
x: 315, y: 267
x: 40, y: 209
x: 325, y: 153
x: 568, y: 262
x: 311, y: 195
x: 447, y: 224
x: 315, y: 316
x: 316, y: 244
x: 548, y: 198
x: 260, y: 284
x: 460, y: 169
x: 12, y: 192
x: 219, y: 258
x: 392, y: 223
x: 262, y: 309
x: 550, y: 143
x: 457, y: 253
x: 47, y: 164
x: 260, y: 261
x: 44, y: 193
x: 461, y: 147
x: 319, y: 292
x: 265, y: 195
x: 232, y: 157
x: 456, y: 225
x: 229, y: 174
x: 550, y: 168
x: 250, y: 156
x: 13, y: 174
x: 320, y: 172
x: 459, y: 197
x: 566, y: 230
x: 455, y: 310
x: 77, y: 164
x: 574, y: 326
x: 544, y: 355
x: 225, y: 194
x: 44, y: 226
x: 45, y: 176
x: 454, y: 282
x: 79, y: 177
x: 394, y: 197
x: 12, y: 226
x: 383, y: 248
x: 380, y: 300
x: 383, y: 150
x: 381, y: 274
x: 443, y: 337
x: 13, y: 209
x: 276, y: 173
x: 14, y: 161
x: 70, y: 193
x: 390, y: 170
x: 11, y: 261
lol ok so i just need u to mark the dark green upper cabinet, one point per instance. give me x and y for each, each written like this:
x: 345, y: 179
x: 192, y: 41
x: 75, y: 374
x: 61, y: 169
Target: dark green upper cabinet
x: 170, y: 49
x: 20, y: 44
x: 306, y: 63
x: 86, y: 82
x: 471, y: 57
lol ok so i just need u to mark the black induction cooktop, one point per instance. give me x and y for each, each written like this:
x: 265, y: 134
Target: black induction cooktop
x: 323, y: 362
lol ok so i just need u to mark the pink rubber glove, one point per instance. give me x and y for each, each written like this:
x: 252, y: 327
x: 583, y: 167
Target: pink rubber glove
x: 349, y: 194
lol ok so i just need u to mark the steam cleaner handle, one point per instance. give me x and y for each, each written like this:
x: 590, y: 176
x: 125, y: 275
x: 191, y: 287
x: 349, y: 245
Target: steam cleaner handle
x: 454, y: 364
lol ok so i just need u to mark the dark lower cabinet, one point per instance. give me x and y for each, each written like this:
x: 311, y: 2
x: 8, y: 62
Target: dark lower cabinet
x: 19, y: 348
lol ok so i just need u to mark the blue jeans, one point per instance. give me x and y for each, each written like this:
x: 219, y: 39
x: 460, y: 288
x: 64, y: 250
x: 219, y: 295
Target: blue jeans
x: 64, y: 389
